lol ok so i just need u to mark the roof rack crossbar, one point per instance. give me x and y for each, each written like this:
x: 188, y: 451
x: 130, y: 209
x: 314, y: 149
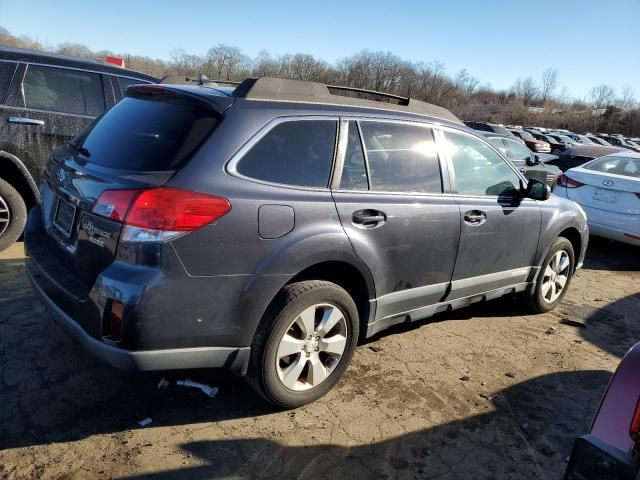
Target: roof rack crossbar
x: 405, y: 100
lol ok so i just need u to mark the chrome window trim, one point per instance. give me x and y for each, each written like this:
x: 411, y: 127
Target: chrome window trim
x: 26, y: 109
x: 444, y: 129
x: 231, y: 167
x: 53, y: 65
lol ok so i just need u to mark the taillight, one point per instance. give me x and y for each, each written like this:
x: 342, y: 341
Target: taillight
x: 114, y: 204
x: 565, y: 181
x: 634, y: 429
x: 160, y: 214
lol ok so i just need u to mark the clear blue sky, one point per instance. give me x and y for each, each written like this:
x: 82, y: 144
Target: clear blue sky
x: 497, y: 41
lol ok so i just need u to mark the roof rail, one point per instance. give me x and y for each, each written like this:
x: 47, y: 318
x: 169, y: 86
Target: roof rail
x: 403, y: 100
x: 285, y: 90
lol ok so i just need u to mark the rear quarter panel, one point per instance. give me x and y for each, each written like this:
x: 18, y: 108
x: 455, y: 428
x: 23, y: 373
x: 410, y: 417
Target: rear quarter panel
x: 613, y: 419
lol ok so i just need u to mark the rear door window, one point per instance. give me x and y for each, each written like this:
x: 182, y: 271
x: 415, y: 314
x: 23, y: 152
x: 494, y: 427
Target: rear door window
x: 401, y: 157
x: 145, y: 134
x: 7, y: 70
x: 295, y: 152
x: 62, y: 90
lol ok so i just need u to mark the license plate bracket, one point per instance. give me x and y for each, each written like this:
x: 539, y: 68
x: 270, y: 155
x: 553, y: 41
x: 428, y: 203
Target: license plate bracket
x: 605, y: 195
x: 64, y: 216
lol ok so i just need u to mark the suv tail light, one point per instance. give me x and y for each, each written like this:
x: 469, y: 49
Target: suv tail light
x: 568, y: 182
x: 159, y: 214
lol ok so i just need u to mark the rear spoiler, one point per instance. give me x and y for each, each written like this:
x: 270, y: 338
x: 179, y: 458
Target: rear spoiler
x: 215, y: 99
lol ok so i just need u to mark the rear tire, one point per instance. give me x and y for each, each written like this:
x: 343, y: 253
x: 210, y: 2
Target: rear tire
x: 13, y: 215
x: 554, y: 278
x: 304, y: 343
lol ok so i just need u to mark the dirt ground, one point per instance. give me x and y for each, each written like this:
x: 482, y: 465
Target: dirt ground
x: 486, y: 392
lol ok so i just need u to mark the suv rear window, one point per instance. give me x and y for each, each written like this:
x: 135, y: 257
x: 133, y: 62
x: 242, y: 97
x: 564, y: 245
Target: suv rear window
x: 147, y: 134
x: 296, y: 152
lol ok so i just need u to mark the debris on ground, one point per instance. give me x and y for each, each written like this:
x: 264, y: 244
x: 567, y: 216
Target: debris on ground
x: 572, y: 323
x: 510, y: 375
x: 206, y: 389
x: 375, y: 348
x: 145, y: 421
x: 163, y: 384
x: 464, y: 378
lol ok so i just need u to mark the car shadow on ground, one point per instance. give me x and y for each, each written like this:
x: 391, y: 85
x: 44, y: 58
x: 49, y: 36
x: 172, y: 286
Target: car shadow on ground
x: 528, y: 433
x: 606, y: 254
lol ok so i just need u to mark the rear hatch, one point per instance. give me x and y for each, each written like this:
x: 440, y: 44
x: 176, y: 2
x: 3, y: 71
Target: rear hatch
x: 139, y: 144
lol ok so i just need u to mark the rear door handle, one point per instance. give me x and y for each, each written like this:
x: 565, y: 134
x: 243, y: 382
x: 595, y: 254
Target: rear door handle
x: 25, y: 121
x: 368, y: 218
x: 475, y: 217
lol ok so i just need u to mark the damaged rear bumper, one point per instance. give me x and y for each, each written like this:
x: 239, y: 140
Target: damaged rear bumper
x: 235, y: 359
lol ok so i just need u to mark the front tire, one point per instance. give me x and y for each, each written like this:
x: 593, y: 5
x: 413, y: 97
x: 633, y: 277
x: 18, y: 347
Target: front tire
x: 13, y: 215
x: 304, y: 343
x: 554, y: 278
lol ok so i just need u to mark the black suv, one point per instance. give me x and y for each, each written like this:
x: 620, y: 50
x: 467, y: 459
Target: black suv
x: 267, y: 228
x: 45, y: 100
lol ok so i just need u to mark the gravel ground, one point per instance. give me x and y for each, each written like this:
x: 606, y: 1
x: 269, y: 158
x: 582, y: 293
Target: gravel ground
x: 486, y: 392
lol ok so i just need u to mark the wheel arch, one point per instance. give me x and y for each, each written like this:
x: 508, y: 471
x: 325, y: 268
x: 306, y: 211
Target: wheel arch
x: 573, y: 235
x: 14, y: 171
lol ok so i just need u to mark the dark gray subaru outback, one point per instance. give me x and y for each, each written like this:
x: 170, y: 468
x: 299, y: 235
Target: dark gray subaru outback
x: 266, y: 228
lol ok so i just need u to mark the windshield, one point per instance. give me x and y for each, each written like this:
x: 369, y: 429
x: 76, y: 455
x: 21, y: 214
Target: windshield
x: 627, y: 166
x: 147, y: 135
x: 525, y: 135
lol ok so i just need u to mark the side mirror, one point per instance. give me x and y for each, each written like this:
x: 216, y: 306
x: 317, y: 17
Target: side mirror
x: 532, y: 160
x: 537, y: 190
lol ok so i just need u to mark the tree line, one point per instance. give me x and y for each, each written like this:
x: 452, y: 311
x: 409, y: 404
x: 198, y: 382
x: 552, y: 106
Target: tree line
x: 528, y: 101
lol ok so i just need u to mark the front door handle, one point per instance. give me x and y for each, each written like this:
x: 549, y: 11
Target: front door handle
x: 475, y: 217
x: 368, y: 218
x: 25, y: 121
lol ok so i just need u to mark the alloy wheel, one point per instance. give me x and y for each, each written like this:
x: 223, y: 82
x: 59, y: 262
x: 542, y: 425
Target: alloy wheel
x: 311, y: 347
x: 555, y: 276
x: 5, y: 216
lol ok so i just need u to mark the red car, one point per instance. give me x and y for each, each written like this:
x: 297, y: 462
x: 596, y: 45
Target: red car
x: 611, y: 449
x: 533, y: 144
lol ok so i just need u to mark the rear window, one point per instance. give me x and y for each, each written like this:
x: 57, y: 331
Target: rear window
x: 296, y: 153
x: 629, y: 167
x: 147, y: 134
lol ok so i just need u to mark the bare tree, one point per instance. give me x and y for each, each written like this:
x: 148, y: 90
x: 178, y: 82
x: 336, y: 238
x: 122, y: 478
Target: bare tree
x: 601, y: 96
x: 526, y: 89
x: 226, y: 63
x: 549, y: 84
x: 627, y: 99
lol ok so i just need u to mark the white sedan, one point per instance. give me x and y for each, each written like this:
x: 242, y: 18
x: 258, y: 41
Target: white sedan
x: 608, y: 189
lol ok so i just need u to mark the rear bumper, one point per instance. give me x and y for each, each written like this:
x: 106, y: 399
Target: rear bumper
x: 234, y: 359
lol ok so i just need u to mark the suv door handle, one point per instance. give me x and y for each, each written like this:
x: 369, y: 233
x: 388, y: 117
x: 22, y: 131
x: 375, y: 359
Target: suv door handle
x: 368, y: 218
x: 475, y: 217
x: 25, y: 121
